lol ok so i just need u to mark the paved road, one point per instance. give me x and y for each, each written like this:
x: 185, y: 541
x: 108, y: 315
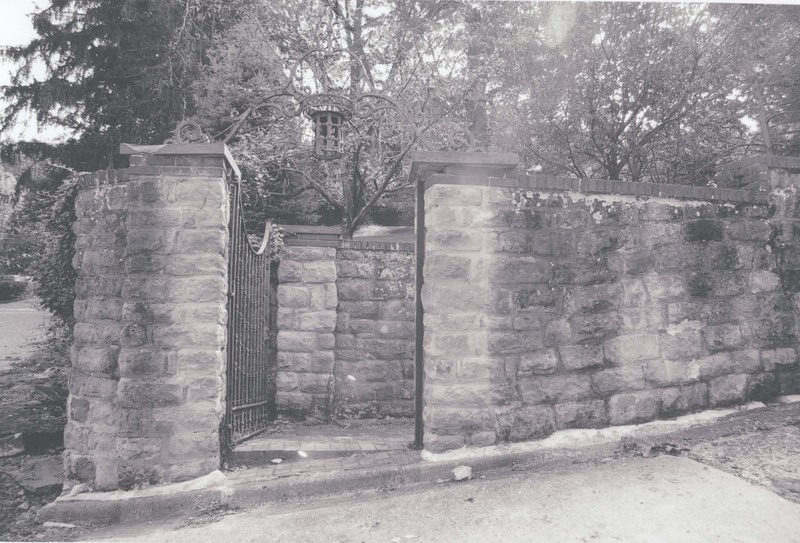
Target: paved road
x: 21, y: 326
x: 662, y: 499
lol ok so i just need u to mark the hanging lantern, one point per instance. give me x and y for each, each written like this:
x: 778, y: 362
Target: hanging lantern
x: 328, y: 113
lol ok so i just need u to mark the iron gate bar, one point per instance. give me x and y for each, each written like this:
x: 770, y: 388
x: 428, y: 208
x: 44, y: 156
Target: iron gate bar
x: 247, y: 411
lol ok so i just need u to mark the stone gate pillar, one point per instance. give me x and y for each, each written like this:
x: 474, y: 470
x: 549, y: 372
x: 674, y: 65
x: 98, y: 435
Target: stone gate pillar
x: 148, y: 366
x: 453, y: 293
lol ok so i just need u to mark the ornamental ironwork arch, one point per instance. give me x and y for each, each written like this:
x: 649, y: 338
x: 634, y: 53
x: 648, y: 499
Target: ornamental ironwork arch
x: 328, y: 111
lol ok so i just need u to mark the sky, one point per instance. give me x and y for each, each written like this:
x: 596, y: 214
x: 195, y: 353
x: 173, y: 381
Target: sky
x: 16, y: 28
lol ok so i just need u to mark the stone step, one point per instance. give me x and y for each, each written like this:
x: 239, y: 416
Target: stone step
x: 260, y: 452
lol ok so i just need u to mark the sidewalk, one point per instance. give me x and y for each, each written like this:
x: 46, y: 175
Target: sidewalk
x: 662, y: 499
x: 250, y: 487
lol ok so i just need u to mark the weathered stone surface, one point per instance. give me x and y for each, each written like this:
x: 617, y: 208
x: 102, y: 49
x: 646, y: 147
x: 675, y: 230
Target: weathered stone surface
x: 682, y: 346
x: 538, y: 362
x: 703, y: 230
x: 679, y: 400
x: 773, y: 358
x: 723, y: 337
x: 12, y: 445
x: 764, y: 281
x: 525, y: 423
x: 661, y: 373
x: 557, y: 332
x: 590, y: 414
x: 651, y: 310
x: 577, y: 357
x: 555, y: 388
x: 461, y: 473
x: 631, y: 349
x: 621, y: 379
x: 633, y: 407
x: 727, y: 390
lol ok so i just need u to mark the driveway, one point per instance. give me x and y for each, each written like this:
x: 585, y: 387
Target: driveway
x: 22, y: 325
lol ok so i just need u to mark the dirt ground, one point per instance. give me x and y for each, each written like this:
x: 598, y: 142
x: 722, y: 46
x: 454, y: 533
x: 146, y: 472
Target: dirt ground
x: 767, y: 455
x: 32, y: 402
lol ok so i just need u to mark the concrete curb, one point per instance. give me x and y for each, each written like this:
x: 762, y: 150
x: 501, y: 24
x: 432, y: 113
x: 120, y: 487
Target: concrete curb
x: 253, y: 487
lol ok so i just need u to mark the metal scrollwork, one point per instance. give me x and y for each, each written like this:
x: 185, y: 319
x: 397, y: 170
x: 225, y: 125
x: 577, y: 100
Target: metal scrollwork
x: 188, y: 131
x: 294, y: 97
x: 463, y: 140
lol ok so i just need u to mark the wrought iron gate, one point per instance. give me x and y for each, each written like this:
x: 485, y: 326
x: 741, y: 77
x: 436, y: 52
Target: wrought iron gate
x: 249, y: 396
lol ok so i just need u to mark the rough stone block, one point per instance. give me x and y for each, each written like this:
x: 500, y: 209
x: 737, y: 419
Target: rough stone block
x: 323, y: 296
x: 469, y: 396
x: 557, y: 332
x: 682, y: 346
x: 207, y: 241
x: 647, y: 318
x: 386, y: 349
x: 634, y: 407
x: 712, y: 366
x: 295, y: 253
x: 639, y: 261
x: 703, y: 230
x: 140, y: 362
x: 774, y: 358
x: 678, y: 400
x: 191, y: 264
x: 577, y: 357
x: 727, y: 390
x: 631, y: 349
x: 438, y: 266
x: 11, y: 445
x: 461, y: 370
x: 520, y: 270
x: 453, y: 195
x: 723, y: 337
x: 363, y: 310
x: 749, y: 230
x: 453, y: 420
x: 661, y: 373
x: 137, y: 393
x: 179, y: 336
x: 633, y: 293
x: 316, y: 321
x: 764, y: 281
x: 453, y: 240
x: 97, y: 359
x: 440, y: 443
x: 621, y: 379
x: 591, y: 414
x: 92, y: 386
x: 525, y: 423
x: 293, y: 341
x: 293, y: 296
x: 356, y: 270
x: 746, y: 361
x: 664, y: 287
x: 555, y: 388
x: 538, y: 362
x: 657, y: 211
x: 596, y: 328
x: 514, y: 342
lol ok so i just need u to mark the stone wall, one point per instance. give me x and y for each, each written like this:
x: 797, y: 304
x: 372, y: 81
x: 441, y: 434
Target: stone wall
x: 555, y: 303
x: 147, y: 380
x: 306, y: 321
x: 345, y: 327
x: 375, y: 330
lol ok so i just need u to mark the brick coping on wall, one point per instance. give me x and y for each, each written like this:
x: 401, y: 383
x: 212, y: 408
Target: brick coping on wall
x: 328, y: 236
x: 604, y: 186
